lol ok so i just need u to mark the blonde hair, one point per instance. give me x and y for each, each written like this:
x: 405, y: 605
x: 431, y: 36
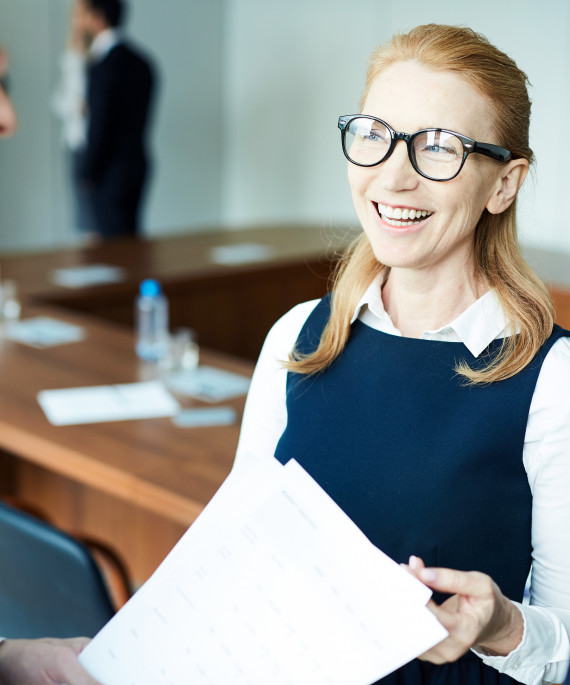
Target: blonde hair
x: 498, y: 262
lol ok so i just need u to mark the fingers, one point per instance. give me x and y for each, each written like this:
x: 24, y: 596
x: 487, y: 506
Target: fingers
x: 77, y: 644
x: 470, y: 583
x: 414, y: 565
x: 76, y: 675
x: 73, y: 671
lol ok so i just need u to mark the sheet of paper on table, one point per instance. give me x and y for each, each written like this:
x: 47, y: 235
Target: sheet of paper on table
x: 243, y: 253
x: 67, y: 406
x: 43, y: 331
x: 88, y: 275
x: 208, y: 383
x: 272, y: 584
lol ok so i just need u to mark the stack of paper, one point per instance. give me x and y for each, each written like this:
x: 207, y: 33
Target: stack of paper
x: 272, y: 584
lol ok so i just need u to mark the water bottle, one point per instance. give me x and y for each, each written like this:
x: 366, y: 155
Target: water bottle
x: 151, y: 315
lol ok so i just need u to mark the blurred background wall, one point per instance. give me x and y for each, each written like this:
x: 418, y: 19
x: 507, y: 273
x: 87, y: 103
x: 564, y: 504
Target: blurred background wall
x: 245, y: 128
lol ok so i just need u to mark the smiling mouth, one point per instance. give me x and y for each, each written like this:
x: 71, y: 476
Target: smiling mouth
x: 402, y: 216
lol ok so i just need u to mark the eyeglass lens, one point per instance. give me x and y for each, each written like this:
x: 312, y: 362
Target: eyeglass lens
x: 438, y: 154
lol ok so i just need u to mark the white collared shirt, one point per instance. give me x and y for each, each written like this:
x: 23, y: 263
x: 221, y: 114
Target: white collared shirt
x: 544, y: 653
x: 102, y: 44
x: 68, y: 101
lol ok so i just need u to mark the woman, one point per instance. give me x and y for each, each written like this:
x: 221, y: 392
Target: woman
x: 428, y: 394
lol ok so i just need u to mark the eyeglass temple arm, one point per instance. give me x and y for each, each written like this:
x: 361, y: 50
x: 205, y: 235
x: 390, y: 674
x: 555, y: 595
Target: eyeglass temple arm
x: 492, y: 151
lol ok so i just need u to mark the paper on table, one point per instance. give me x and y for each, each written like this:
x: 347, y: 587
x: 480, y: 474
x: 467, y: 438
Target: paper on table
x: 43, y: 331
x: 282, y: 588
x: 199, y: 417
x: 107, y: 403
x: 208, y: 383
x: 242, y: 254
x: 90, y: 274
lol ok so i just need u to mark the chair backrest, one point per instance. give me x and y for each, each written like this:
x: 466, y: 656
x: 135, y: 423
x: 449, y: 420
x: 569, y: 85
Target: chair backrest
x: 49, y: 584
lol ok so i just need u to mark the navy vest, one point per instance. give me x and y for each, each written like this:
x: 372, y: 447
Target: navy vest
x: 423, y: 463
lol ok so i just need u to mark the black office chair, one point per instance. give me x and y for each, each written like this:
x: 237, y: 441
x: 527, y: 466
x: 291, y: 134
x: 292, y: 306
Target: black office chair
x: 50, y: 585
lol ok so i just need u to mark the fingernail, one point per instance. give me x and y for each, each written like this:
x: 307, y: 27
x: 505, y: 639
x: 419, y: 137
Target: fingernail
x: 413, y: 562
x: 428, y: 574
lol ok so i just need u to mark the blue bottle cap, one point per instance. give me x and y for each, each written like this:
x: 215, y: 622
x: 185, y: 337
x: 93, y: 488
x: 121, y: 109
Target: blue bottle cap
x: 149, y: 288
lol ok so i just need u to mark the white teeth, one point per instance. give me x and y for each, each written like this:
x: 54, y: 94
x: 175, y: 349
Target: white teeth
x: 398, y: 216
x: 393, y: 222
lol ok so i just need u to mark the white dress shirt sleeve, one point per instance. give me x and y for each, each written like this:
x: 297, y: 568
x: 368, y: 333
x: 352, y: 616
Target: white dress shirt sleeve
x: 544, y: 653
x: 265, y: 413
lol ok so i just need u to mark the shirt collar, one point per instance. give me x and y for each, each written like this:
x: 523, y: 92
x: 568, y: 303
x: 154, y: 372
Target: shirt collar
x: 103, y: 43
x: 476, y: 327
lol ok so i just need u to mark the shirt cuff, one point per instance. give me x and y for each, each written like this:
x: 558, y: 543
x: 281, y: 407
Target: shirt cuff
x: 543, y: 653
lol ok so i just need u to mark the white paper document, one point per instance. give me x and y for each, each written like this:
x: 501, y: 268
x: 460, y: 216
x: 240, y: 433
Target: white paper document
x: 88, y: 275
x: 272, y: 584
x: 208, y: 383
x: 44, y: 331
x: 98, y: 403
x: 243, y: 253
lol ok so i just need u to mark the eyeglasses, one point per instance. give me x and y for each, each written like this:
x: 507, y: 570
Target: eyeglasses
x: 435, y: 153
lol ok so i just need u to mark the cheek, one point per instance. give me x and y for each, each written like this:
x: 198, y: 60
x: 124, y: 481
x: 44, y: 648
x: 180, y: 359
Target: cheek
x: 358, y: 182
x: 475, y: 192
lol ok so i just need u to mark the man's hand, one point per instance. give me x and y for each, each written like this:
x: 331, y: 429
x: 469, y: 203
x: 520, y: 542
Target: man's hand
x: 43, y: 662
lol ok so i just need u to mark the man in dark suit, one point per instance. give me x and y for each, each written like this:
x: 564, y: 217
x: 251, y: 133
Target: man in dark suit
x: 120, y: 84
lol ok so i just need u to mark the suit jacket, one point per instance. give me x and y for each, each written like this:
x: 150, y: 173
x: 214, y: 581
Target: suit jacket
x: 119, y: 95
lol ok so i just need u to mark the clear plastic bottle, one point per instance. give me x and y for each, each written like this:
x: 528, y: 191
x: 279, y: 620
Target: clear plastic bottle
x: 151, y: 317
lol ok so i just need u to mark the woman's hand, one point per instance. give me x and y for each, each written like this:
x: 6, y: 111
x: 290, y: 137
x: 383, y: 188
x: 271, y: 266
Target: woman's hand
x: 477, y: 613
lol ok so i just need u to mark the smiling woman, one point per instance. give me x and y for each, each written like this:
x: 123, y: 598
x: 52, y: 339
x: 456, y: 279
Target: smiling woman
x: 428, y: 393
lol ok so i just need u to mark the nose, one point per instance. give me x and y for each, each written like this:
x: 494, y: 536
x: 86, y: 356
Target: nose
x: 396, y: 172
x: 8, y: 119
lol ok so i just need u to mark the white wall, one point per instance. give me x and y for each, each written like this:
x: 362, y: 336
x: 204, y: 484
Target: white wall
x: 251, y: 91
x: 289, y: 73
x: 185, y: 36
x: 29, y: 171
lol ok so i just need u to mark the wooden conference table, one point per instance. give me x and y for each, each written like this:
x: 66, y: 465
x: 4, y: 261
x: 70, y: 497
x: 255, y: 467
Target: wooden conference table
x: 231, y: 305
x: 137, y: 485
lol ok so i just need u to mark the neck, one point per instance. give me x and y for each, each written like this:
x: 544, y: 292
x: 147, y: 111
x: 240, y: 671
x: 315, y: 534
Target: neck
x: 419, y: 302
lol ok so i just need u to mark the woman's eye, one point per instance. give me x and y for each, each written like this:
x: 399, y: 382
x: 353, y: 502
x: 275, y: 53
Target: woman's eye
x: 440, y: 150
x: 376, y: 136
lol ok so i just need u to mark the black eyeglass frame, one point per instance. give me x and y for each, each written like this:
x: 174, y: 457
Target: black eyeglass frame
x: 469, y: 145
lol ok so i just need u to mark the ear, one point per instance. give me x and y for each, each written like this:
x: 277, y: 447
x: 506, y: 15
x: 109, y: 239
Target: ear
x: 507, y: 185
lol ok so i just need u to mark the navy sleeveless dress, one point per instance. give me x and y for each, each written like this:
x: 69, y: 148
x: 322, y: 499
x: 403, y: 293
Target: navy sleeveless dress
x: 423, y: 463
